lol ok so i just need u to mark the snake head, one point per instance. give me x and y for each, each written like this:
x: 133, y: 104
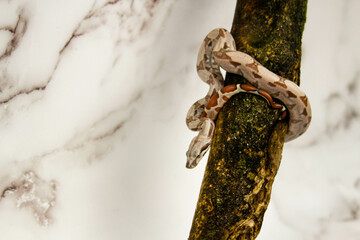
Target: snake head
x: 200, y: 144
x: 196, y: 152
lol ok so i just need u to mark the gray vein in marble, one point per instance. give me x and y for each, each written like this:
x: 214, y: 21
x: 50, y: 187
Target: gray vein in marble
x: 8, y: 29
x: 125, y: 13
x: 98, y: 133
x: 351, y: 110
x: 22, y: 92
x: 97, y: 18
x: 357, y: 184
x: 114, y: 121
x: 18, y: 32
x: 346, y: 110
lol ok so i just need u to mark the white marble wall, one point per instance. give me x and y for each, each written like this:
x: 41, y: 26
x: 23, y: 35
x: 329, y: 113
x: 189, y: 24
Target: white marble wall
x: 93, y: 96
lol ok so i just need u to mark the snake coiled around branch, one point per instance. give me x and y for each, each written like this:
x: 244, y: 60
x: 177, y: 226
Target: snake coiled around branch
x: 218, y: 50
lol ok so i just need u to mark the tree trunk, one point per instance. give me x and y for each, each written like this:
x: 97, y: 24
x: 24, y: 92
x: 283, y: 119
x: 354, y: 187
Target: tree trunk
x: 246, y: 150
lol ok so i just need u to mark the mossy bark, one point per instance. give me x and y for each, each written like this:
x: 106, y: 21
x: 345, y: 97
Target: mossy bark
x: 246, y: 150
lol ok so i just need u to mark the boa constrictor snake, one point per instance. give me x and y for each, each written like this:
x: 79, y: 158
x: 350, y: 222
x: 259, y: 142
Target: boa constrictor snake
x: 218, y: 50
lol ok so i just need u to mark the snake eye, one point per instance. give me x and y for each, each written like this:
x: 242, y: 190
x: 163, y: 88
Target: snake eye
x: 192, y: 154
x: 195, y: 154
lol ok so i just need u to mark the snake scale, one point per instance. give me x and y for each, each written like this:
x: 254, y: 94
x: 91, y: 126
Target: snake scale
x: 218, y: 50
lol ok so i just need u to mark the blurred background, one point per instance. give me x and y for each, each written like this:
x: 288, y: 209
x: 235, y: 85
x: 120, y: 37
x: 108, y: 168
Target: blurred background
x: 94, y: 96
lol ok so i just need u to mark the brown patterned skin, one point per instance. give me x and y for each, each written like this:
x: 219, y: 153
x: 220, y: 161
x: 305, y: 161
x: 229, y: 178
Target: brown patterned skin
x: 218, y: 50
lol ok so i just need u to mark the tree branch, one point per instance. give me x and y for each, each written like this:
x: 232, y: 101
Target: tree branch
x: 246, y: 150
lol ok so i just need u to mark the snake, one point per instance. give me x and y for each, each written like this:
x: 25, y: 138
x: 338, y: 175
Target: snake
x: 218, y: 50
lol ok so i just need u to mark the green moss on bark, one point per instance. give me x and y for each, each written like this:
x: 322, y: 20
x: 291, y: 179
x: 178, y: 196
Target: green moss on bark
x: 246, y: 150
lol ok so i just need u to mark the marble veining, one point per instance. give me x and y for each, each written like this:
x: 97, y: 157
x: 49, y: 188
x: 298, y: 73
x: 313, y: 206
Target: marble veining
x: 34, y: 193
x: 93, y: 98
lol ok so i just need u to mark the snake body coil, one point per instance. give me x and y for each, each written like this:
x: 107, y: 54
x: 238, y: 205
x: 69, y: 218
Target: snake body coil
x: 218, y: 50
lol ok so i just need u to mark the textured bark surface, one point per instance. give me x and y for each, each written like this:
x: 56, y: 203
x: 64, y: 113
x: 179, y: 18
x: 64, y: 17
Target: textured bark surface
x: 246, y: 150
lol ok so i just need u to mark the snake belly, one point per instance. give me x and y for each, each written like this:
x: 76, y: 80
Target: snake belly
x: 218, y: 50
